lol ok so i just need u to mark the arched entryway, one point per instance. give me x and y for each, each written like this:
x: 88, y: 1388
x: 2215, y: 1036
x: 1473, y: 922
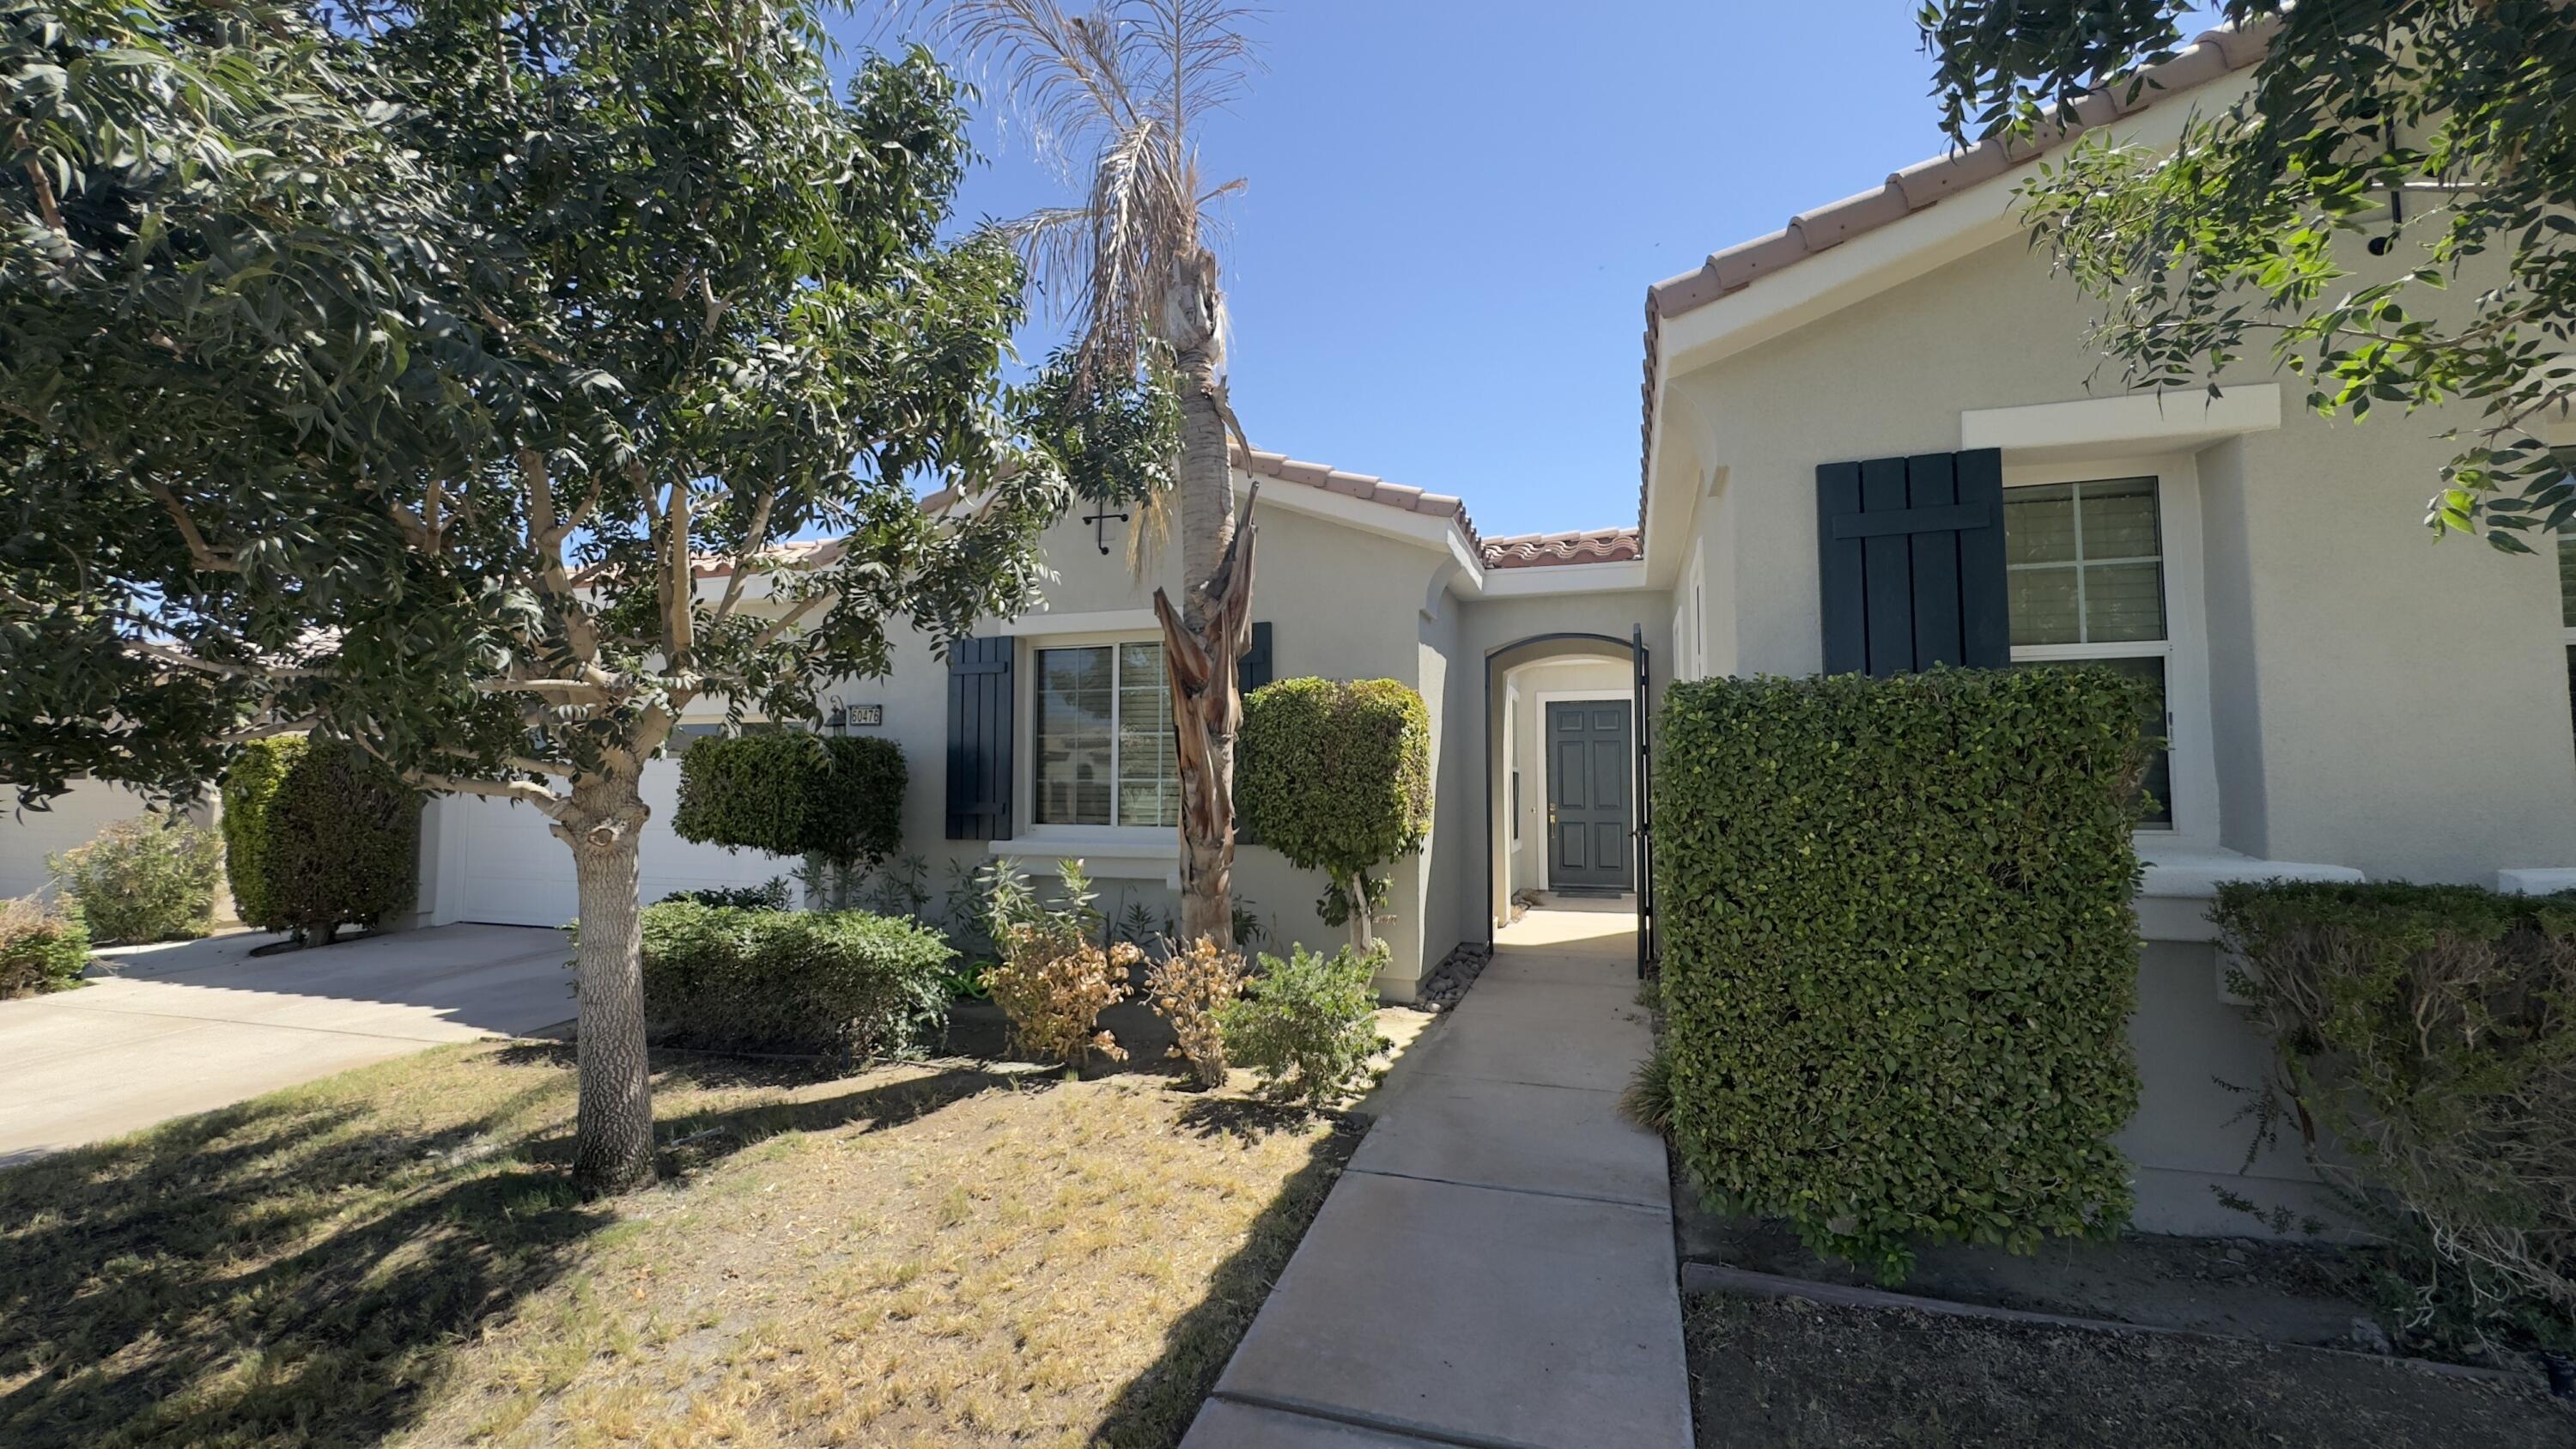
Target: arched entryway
x: 1566, y: 780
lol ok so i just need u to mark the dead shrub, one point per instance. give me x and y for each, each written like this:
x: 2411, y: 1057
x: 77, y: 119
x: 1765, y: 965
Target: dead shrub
x: 1055, y: 978
x: 1189, y: 988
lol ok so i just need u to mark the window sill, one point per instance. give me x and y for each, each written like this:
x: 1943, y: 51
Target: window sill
x: 1136, y: 853
x: 2183, y: 877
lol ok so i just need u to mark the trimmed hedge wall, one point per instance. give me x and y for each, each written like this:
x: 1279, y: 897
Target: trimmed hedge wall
x: 840, y: 982
x: 2424, y: 1038
x: 1336, y: 777
x: 1899, y: 952
x: 318, y: 836
x: 793, y: 793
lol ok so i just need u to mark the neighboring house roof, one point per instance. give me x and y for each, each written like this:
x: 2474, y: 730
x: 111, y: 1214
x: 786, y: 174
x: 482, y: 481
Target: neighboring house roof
x: 1284, y: 469
x: 2212, y: 53
x: 1538, y: 550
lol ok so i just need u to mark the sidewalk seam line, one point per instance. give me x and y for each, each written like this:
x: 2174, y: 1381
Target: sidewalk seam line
x: 1643, y: 1207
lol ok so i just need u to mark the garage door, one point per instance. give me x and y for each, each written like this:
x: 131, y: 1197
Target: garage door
x: 509, y: 869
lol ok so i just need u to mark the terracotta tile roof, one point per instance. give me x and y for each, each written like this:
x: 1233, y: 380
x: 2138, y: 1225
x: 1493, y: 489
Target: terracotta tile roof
x: 1284, y: 469
x: 1539, y: 550
x: 803, y: 553
x: 2211, y: 54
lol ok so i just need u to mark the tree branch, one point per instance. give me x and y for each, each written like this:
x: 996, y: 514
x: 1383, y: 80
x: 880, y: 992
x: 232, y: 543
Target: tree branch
x: 547, y: 802
x: 753, y: 542
x: 204, y: 556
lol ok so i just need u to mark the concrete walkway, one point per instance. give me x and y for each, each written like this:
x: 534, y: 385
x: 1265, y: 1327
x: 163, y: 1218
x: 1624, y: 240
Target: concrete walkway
x: 1496, y: 1268
x: 197, y: 1025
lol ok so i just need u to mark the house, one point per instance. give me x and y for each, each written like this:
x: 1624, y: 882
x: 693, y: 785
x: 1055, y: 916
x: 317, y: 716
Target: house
x: 1048, y: 737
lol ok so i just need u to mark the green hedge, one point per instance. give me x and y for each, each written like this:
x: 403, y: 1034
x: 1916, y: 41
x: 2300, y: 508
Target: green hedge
x: 1336, y: 777
x: 841, y: 982
x: 795, y: 794
x: 2423, y: 1036
x: 1899, y: 951
x: 318, y: 836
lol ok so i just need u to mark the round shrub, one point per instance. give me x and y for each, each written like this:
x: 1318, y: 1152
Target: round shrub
x: 1899, y: 951
x: 840, y: 982
x: 1307, y: 1025
x: 151, y: 879
x: 43, y: 946
x: 791, y: 793
x: 319, y: 835
x: 1337, y: 777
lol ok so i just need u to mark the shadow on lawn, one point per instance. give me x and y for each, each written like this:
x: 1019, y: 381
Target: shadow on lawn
x: 173, y: 1289
x: 156, y: 1289
x: 1154, y: 1409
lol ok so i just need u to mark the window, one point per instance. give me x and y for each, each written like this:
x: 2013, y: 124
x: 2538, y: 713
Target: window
x: 2086, y: 585
x: 1103, y: 732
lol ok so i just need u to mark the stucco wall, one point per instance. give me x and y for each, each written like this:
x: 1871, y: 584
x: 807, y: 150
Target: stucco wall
x: 77, y: 815
x: 2375, y: 700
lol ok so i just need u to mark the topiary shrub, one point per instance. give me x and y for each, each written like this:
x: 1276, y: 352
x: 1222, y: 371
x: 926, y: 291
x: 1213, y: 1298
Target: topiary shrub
x: 2423, y: 1037
x: 43, y: 946
x: 1337, y: 777
x: 1307, y: 1026
x: 1899, y: 951
x: 151, y: 879
x: 319, y: 835
x: 844, y: 983
x: 791, y: 793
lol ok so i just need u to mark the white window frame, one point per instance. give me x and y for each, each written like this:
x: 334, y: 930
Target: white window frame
x: 1121, y: 841
x: 2190, y: 740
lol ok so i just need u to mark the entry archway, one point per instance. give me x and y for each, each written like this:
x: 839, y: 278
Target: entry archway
x: 1568, y: 683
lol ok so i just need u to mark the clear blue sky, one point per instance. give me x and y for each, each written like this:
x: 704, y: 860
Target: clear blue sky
x: 1438, y: 273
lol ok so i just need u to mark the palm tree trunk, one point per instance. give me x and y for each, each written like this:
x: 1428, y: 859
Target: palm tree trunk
x: 613, y: 1128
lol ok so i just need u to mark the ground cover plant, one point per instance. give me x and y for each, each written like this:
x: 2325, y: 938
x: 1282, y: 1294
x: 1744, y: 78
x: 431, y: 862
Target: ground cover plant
x: 929, y: 1253
x: 2427, y: 1060
x: 1907, y: 921
x: 148, y: 879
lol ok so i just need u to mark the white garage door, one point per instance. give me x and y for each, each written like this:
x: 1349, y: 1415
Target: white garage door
x: 501, y: 863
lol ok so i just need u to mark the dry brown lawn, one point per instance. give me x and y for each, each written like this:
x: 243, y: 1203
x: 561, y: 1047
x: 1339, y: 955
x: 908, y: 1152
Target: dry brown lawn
x: 949, y: 1253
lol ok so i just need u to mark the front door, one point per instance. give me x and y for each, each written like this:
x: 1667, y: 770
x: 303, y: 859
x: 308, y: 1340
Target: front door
x: 1589, y: 766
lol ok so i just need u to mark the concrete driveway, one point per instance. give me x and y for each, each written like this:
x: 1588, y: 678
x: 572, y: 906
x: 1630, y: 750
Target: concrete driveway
x: 196, y: 1025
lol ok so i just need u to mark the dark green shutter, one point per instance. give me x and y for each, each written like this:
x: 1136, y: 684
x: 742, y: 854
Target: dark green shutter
x: 1911, y: 563
x: 980, y: 707
x: 1250, y: 673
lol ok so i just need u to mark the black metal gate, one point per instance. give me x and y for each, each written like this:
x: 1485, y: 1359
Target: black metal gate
x: 1645, y: 808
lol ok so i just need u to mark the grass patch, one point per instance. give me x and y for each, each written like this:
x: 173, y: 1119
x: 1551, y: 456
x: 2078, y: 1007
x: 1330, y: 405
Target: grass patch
x: 934, y: 1253
x: 1776, y: 1373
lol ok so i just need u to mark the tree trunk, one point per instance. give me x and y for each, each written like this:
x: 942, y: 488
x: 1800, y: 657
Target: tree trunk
x: 1363, y: 929
x: 613, y: 1132
x: 1215, y: 623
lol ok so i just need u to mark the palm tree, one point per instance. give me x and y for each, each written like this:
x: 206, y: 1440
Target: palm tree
x: 1124, y: 84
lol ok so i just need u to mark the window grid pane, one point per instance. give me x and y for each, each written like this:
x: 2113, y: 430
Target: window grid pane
x: 1073, y: 736
x: 1149, y: 766
x: 2086, y: 563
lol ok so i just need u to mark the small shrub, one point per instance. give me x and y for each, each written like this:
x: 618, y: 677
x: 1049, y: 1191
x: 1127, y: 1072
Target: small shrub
x: 319, y: 835
x: 837, y: 798
x: 1307, y: 1025
x: 151, y: 879
x: 1899, y: 952
x: 840, y: 982
x: 1648, y: 1098
x: 769, y: 895
x: 1055, y: 976
x: 1337, y: 777
x: 2423, y: 1036
x: 43, y: 946
x: 1191, y: 989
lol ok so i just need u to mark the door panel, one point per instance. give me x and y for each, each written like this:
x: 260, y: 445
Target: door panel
x: 1589, y: 769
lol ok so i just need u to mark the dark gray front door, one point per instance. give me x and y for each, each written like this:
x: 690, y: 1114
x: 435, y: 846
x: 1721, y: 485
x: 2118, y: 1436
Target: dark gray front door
x: 1589, y: 765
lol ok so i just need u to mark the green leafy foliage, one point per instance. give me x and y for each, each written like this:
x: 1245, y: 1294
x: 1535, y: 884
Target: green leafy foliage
x: 1307, y: 1025
x: 769, y: 895
x: 840, y: 982
x: 1337, y: 777
x: 43, y: 946
x: 2436, y: 140
x: 318, y: 835
x: 1899, y: 953
x: 2424, y: 1035
x: 838, y: 798
x: 150, y: 879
